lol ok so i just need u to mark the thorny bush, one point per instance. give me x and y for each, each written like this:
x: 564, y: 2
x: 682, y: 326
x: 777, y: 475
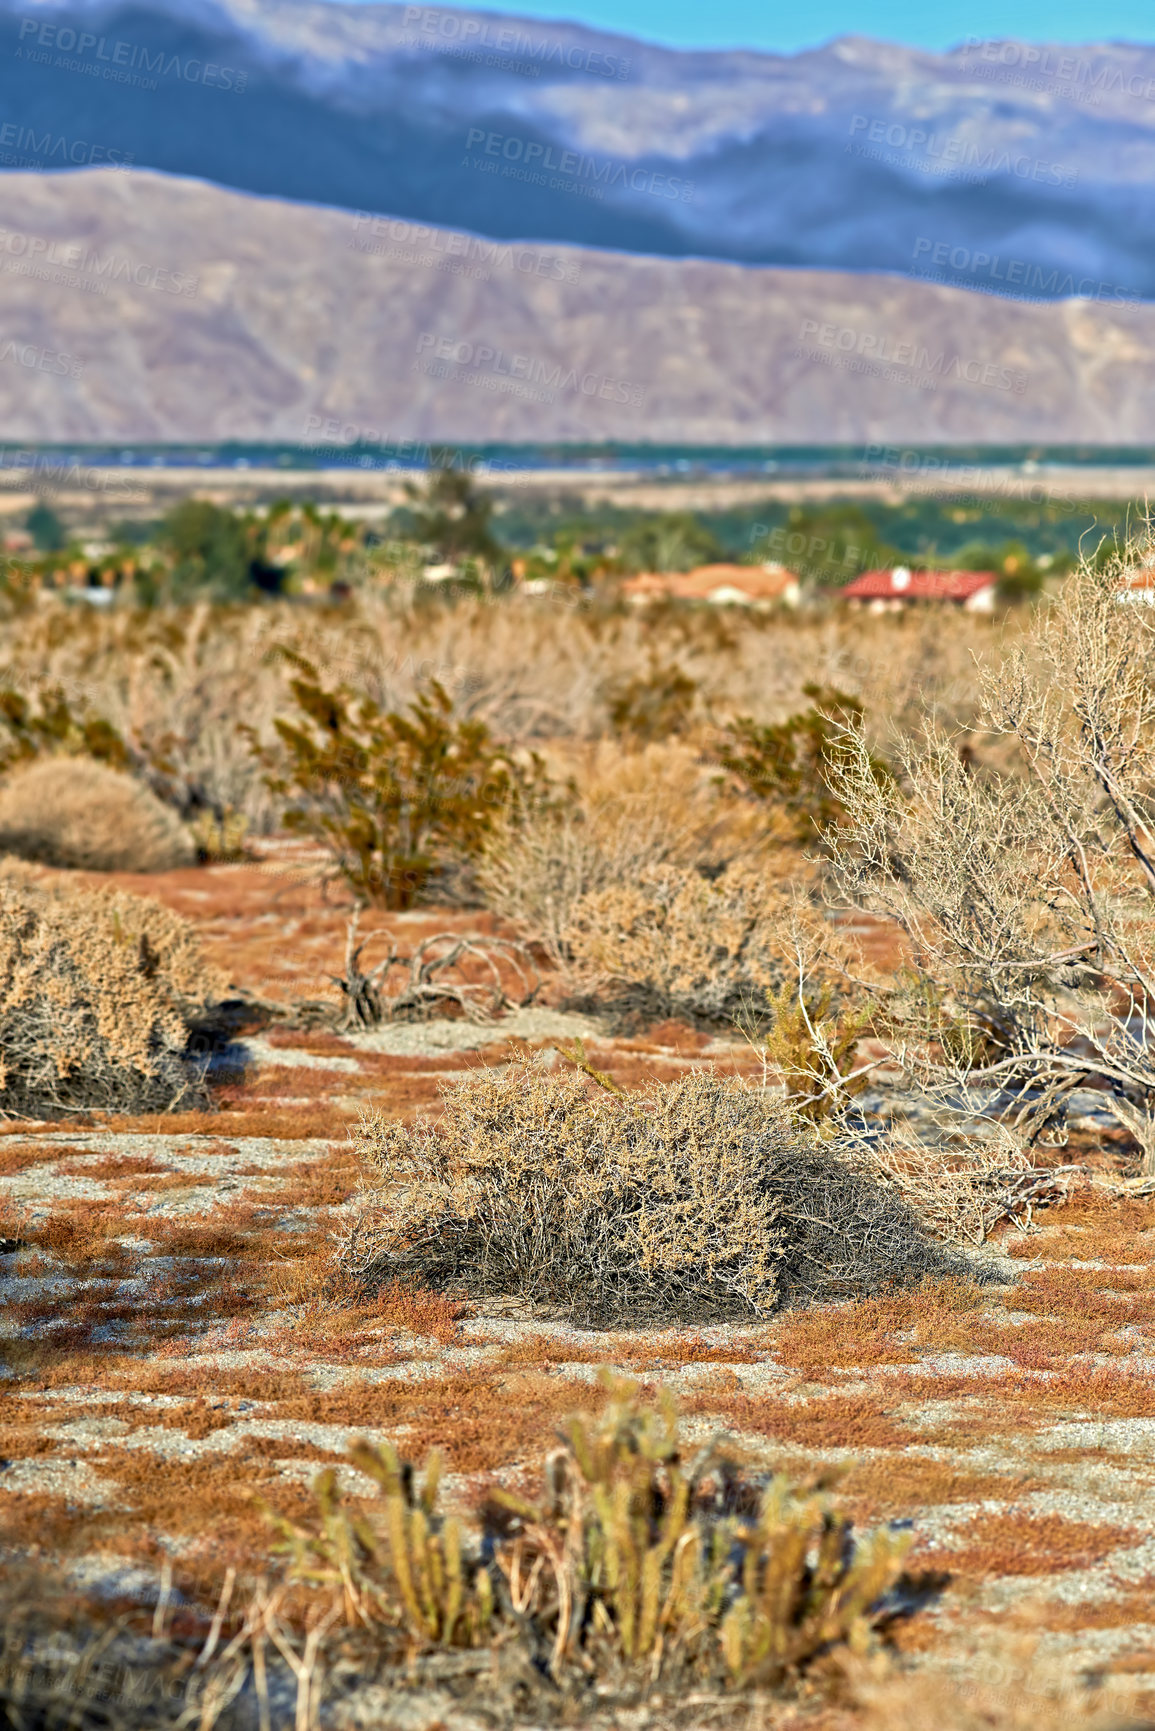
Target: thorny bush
x: 671, y: 942
x: 1027, y: 897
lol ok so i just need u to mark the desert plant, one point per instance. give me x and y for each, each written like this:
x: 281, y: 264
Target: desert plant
x: 406, y: 1567
x: 28, y: 731
x: 671, y: 942
x: 653, y: 706
x: 810, y: 1041
x: 76, y: 812
x: 625, y: 812
x: 393, y: 797
x: 693, y: 1199
x: 1027, y: 902
x: 99, y: 992
x: 791, y: 762
x: 635, y: 1560
x: 220, y: 839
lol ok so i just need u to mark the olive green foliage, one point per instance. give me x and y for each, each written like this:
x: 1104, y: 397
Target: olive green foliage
x: 29, y: 730
x: 810, y: 1041
x: 826, y: 545
x: 395, y: 798
x: 653, y: 706
x: 47, y: 531
x: 211, y: 552
x: 451, y: 518
x: 791, y: 762
x: 636, y: 1559
x: 668, y: 541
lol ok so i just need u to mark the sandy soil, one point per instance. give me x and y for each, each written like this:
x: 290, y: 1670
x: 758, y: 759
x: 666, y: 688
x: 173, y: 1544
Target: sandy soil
x: 165, y: 1365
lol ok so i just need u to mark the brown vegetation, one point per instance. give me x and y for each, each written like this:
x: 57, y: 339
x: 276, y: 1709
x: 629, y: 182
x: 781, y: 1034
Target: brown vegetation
x: 75, y: 812
x: 691, y: 1199
x: 98, y: 992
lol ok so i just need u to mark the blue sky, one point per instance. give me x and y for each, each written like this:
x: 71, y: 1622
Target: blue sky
x: 774, y: 25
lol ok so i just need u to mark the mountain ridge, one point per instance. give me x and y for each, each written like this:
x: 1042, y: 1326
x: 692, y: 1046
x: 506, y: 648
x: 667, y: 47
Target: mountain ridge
x: 137, y: 306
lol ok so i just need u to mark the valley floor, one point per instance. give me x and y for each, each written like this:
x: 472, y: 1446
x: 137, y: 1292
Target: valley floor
x: 169, y: 1366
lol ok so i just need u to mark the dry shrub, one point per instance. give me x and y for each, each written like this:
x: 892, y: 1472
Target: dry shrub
x: 1026, y: 895
x: 72, y: 811
x: 633, y: 811
x: 691, y: 1200
x: 172, y: 681
x: 98, y: 992
x: 671, y: 942
x: 965, y: 1189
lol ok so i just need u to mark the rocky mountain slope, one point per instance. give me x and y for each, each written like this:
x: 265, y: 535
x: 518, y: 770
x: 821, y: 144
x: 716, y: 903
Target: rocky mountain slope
x: 135, y: 306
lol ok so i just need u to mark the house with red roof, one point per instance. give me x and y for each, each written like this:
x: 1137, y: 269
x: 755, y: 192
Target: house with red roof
x: 887, y: 591
x: 1139, y: 585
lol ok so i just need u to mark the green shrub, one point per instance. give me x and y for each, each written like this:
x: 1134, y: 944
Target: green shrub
x: 791, y: 762
x: 28, y: 731
x: 395, y: 798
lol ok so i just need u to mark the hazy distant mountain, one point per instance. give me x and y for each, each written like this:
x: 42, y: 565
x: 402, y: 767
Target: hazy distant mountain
x: 857, y: 156
x: 138, y: 307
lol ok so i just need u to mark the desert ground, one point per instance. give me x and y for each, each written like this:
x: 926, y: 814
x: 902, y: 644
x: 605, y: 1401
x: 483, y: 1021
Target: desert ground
x: 184, y: 1349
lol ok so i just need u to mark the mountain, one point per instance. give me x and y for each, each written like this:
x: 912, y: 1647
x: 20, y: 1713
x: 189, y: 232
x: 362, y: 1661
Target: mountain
x: 1004, y: 162
x: 136, y: 306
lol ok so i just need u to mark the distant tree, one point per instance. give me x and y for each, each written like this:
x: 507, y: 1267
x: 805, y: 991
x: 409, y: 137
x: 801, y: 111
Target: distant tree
x: 827, y: 544
x: 451, y: 517
x: 1020, y: 578
x: 211, y: 552
x: 45, y: 528
x: 670, y: 541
